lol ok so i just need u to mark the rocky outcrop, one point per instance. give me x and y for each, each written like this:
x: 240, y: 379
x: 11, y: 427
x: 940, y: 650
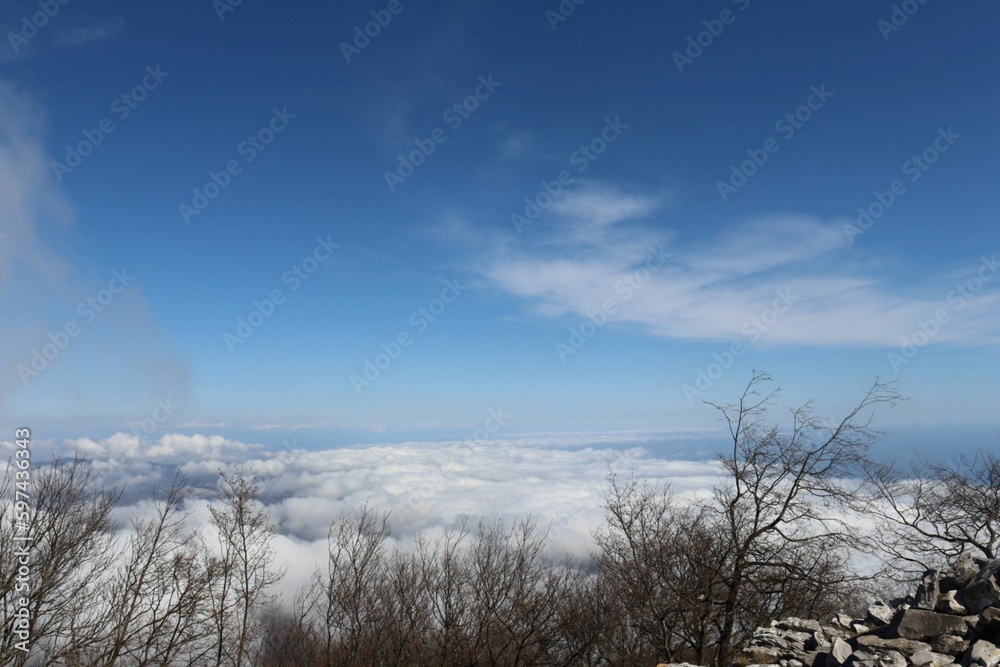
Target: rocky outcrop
x: 952, y: 620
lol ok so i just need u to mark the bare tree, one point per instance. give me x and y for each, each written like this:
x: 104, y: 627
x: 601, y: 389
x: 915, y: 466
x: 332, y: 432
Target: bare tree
x: 514, y: 594
x: 936, y: 511
x: 68, y: 552
x: 343, y: 599
x: 444, y: 581
x: 153, y: 608
x: 786, y: 492
x: 663, y: 563
x: 245, y: 568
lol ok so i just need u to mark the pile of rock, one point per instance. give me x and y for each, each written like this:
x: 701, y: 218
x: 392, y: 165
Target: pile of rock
x: 953, y: 619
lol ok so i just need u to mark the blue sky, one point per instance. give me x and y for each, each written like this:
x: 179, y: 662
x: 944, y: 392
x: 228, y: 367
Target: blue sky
x: 686, y: 204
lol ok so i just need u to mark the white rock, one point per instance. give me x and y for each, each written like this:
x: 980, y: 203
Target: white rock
x: 984, y: 653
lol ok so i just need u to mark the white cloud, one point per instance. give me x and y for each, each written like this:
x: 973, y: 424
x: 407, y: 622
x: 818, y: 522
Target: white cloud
x: 556, y: 478
x: 604, y: 205
x: 712, y: 287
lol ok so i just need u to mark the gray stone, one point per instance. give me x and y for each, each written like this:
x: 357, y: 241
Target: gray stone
x: 922, y: 624
x: 897, y: 644
x: 929, y: 590
x: 983, y: 590
x: 983, y: 653
x: 989, y: 625
x: 889, y: 659
x: 843, y: 620
x: 966, y: 567
x: 821, y: 645
x: 950, y: 644
x: 841, y: 651
x: 798, y: 625
x: 862, y: 659
x: 880, y: 614
x: 931, y: 659
x: 948, y: 604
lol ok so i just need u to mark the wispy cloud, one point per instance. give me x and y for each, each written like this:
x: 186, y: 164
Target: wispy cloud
x: 29, y: 196
x: 83, y: 35
x: 601, y: 205
x: 42, y: 283
x: 712, y: 285
x: 515, y: 145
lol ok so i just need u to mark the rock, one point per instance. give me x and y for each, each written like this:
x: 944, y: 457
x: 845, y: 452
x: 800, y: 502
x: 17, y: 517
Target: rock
x: 953, y: 620
x: 877, y: 658
x: 966, y: 567
x: 892, y: 659
x: 983, y: 653
x: 922, y: 624
x: 989, y: 625
x: 929, y: 590
x: 820, y: 643
x: 950, y: 644
x: 880, y: 614
x: 797, y: 625
x: 948, y: 604
x: 983, y: 590
x: 841, y: 651
x: 931, y: 659
x: 897, y: 644
x: 843, y: 621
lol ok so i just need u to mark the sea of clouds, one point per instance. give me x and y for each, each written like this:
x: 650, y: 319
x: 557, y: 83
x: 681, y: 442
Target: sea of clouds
x: 558, y: 480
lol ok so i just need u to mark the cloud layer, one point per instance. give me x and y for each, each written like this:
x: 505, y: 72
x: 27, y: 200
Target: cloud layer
x: 426, y: 486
